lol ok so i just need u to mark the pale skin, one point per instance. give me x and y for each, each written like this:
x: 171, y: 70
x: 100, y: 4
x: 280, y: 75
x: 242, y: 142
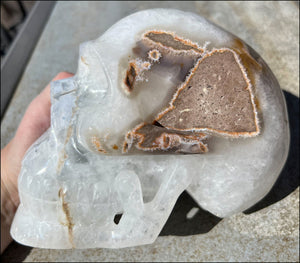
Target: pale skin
x: 35, y: 122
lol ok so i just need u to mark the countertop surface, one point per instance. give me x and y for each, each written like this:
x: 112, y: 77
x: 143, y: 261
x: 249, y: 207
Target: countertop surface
x: 269, y: 231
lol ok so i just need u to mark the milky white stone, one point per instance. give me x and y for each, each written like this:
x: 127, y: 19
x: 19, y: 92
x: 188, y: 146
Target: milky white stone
x: 93, y: 187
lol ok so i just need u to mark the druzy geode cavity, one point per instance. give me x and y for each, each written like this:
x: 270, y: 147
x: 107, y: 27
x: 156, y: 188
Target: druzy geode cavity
x: 162, y: 102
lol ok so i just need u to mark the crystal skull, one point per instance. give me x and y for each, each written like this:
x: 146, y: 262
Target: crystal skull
x: 163, y: 101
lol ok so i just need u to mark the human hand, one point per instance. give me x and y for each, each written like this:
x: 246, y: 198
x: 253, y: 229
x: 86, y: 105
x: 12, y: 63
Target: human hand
x: 35, y: 122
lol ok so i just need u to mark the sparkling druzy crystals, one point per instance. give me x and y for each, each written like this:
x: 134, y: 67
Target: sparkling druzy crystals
x: 162, y: 102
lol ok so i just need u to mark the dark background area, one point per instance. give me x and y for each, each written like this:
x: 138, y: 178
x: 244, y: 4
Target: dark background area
x: 22, y: 23
x: 13, y: 15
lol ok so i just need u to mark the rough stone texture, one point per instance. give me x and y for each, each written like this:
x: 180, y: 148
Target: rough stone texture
x: 269, y: 234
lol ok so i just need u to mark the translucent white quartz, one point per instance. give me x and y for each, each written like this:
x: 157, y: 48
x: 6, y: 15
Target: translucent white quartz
x: 70, y: 193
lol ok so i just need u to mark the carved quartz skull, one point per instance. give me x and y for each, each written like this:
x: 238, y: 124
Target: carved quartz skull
x: 163, y: 101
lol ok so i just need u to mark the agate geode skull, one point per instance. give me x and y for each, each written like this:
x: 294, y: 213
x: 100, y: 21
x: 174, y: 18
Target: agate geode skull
x: 162, y: 102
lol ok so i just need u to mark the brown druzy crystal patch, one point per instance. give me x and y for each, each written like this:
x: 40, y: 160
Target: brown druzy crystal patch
x: 130, y: 78
x: 149, y: 137
x: 216, y: 97
x: 170, y: 40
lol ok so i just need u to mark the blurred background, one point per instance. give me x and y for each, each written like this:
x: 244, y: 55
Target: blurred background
x: 13, y: 15
x: 22, y: 23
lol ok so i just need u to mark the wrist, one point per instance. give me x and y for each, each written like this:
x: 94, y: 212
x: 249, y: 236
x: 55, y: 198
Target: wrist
x: 8, y: 206
x: 9, y: 194
x: 8, y: 210
x: 9, y: 185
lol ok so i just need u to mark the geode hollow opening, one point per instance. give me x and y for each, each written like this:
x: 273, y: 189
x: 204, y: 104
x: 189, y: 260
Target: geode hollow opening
x: 215, y: 96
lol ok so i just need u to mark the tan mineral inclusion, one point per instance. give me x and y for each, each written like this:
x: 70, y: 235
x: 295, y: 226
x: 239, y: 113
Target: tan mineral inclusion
x: 162, y: 102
